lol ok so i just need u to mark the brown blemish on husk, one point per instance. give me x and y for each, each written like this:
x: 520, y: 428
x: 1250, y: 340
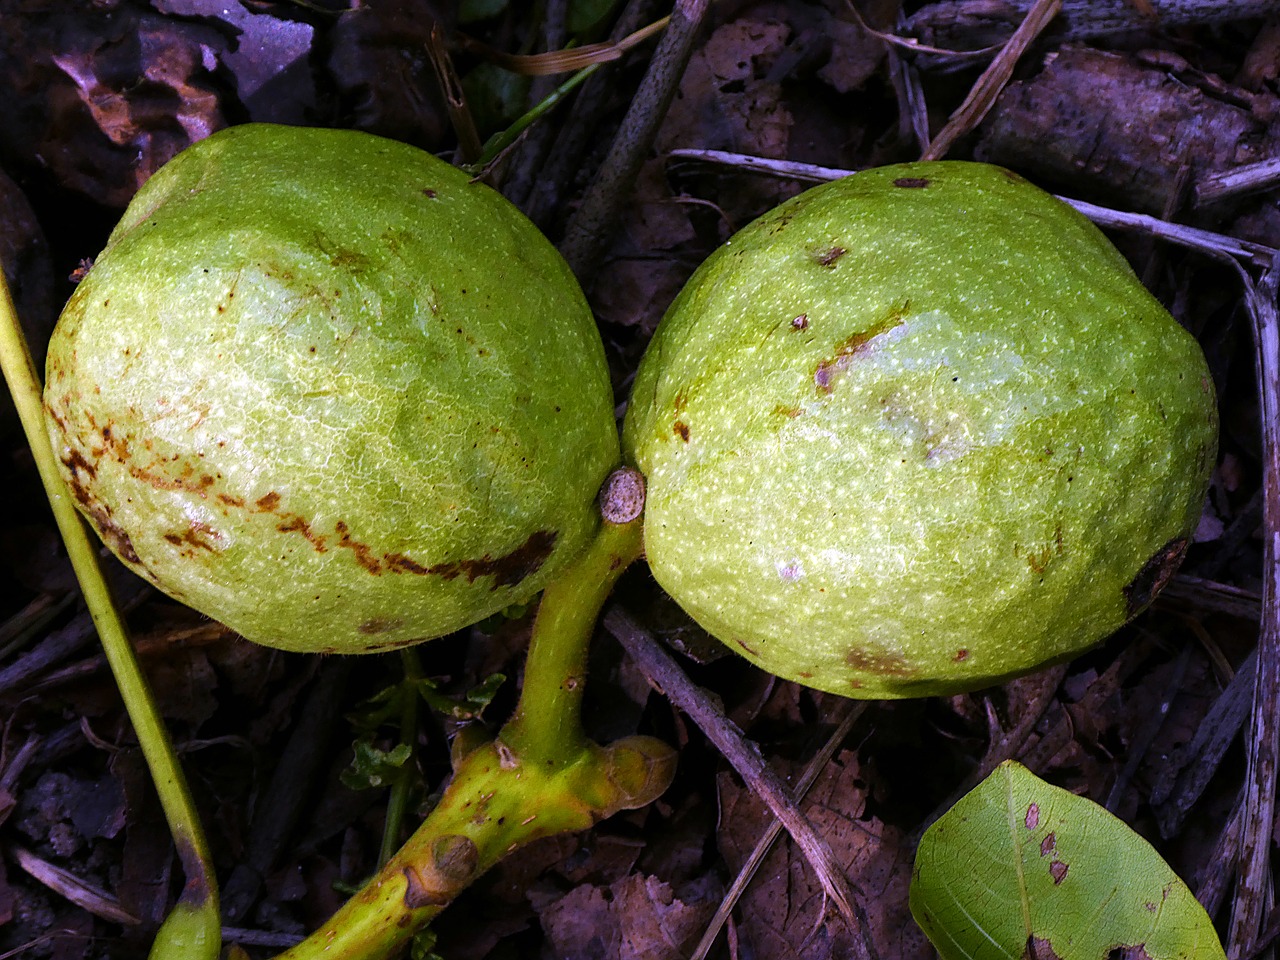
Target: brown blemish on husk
x: 679, y: 427
x: 197, y: 536
x: 507, y: 570
x: 828, y: 257
x: 80, y: 476
x: 293, y: 523
x: 399, y: 563
x: 1154, y: 575
x: 376, y: 625
x: 362, y: 552
x: 853, y: 346
x: 911, y: 183
x: 877, y: 662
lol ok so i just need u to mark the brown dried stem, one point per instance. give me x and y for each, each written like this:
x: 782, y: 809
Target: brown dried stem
x: 955, y: 22
x: 1263, y: 738
x: 983, y: 95
x: 848, y: 712
x: 593, y: 223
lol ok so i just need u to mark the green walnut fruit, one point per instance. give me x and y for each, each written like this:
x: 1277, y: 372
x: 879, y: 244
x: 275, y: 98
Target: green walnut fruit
x: 916, y: 431
x: 326, y: 389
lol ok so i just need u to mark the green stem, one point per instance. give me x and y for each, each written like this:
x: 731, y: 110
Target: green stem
x: 541, y: 777
x: 547, y: 725
x: 192, y: 930
x: 402, y: 789
x: 501, y: 141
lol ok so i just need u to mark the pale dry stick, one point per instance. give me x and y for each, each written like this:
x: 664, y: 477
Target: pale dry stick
x: 1245, y: 179
x: 745, y: 757
x: 982, y: 96
x: 785, y: 169
x: 1262, y: 742
x: 913, y: 110
x: 594, y: 221
x: 1213, y: 879
x: 849, y: 711
x: 1080, y: 18
x: 11, y: 769
x: 69, y: 886
x: 1206, y: 241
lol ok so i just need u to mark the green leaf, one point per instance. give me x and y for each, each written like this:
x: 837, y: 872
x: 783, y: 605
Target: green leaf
x: 1019, y: 868
x: 387, y: 705
x: 469, y: 11
x: 383, y: 707
x: 423, y: 946
x: 467, y: 707
x: 586, y: 15
x: 372, y: 767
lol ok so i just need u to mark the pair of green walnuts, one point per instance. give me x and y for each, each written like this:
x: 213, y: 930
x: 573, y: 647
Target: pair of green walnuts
x: 910, y: 433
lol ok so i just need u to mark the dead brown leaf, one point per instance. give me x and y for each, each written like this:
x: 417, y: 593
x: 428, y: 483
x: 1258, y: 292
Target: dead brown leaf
x: 104, y: 97
x: 636, y: 918
x: 380, y: 66
x: 783, y: 911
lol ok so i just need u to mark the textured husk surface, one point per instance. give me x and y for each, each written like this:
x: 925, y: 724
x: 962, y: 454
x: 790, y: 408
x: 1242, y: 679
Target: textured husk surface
x: 916, y: 431
x: 327, y: 390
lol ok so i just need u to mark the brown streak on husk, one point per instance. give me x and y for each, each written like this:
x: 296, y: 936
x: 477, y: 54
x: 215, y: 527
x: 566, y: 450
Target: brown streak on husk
x: 1154, y: 575
x: 886, y: 664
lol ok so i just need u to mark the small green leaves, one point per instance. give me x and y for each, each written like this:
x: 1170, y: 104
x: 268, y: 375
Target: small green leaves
x: 387, y: 704
x: 372, y: 767
x: 467, y: 707
x: 1019, y: 868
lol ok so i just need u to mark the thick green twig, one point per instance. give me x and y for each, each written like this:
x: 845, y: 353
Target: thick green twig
x: 540, y: 777
x: 192, y: 930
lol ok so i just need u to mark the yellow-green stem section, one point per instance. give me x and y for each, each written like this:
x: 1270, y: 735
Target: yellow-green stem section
x: 547, y: 725
x: 493, y: 806
x: 402, y: 788
x: 192, y: 930
x: 539, y: 778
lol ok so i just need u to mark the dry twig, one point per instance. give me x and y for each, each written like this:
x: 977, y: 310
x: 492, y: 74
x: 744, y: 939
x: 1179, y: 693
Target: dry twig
x: 1263, y: 738
x: 594, y: 221
x: 745, y: 757
x: 849, y: 711
x: 982, y: 21
x: 983, y: 95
